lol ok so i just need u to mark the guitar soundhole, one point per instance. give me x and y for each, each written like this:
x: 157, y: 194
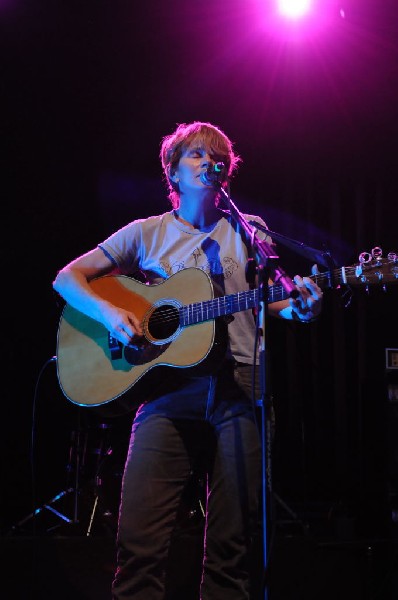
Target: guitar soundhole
x: 163, y: 322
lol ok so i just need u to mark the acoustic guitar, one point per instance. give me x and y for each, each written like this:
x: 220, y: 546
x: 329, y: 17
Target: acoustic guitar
x: 178, y: 318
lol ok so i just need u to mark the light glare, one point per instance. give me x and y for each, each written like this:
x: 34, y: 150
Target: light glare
x: 294, y: 8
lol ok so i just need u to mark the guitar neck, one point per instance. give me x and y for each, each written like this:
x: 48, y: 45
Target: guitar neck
x: 233, y: 303
x: 379, y: 271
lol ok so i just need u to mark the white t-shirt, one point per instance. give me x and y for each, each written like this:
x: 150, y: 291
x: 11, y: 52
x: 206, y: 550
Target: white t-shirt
x: 161, y: 245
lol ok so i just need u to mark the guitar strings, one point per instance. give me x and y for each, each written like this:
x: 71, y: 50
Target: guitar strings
x: 276, y: 292
x: 225, y: 303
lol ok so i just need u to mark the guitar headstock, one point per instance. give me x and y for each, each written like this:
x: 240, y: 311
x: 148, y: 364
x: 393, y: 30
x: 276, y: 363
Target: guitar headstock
x: 373, y: 269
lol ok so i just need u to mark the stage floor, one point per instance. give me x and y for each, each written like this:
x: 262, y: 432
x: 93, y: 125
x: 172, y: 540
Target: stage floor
x: 80, y: 567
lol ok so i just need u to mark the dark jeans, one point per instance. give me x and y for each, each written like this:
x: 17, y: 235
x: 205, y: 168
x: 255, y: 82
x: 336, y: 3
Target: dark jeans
x: 217, y: 434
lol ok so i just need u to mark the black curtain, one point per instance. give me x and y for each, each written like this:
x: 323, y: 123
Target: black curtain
x: 84, y: 114
x: 335, y: 448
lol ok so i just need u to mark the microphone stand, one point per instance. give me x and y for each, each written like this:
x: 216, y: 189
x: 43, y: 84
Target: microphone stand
x: 323, y: 257
x: 264, y: 257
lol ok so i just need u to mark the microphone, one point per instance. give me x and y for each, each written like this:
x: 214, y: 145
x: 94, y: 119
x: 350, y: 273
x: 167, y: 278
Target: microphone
x: 214, y: 174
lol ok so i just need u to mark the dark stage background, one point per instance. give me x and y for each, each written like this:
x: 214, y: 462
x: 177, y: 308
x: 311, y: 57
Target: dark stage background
x: 89, y: 88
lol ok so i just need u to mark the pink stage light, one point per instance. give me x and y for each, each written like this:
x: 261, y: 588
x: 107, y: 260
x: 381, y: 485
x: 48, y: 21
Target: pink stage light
x: 294, y: 9
x: 298, y: 21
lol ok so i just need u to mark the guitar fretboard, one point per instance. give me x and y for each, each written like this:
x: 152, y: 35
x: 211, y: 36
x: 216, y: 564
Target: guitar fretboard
x: 198, y: 312
x: 218, y: 307
x: 379, y: 271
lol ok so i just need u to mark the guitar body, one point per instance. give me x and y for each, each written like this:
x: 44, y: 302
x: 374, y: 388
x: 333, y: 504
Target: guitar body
x: 93, y: 370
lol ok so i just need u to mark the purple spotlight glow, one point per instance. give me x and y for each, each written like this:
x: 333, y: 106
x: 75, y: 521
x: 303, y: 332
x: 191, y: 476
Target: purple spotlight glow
x: 296, y: 21
x: 294, y: 9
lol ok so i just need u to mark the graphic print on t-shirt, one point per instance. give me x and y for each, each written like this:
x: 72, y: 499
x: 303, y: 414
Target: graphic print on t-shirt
x: 207, y: 259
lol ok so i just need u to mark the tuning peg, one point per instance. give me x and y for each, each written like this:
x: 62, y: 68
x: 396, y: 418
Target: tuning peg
x: 377, y: 253
x: 365, y: 257
x: 315, y: 270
